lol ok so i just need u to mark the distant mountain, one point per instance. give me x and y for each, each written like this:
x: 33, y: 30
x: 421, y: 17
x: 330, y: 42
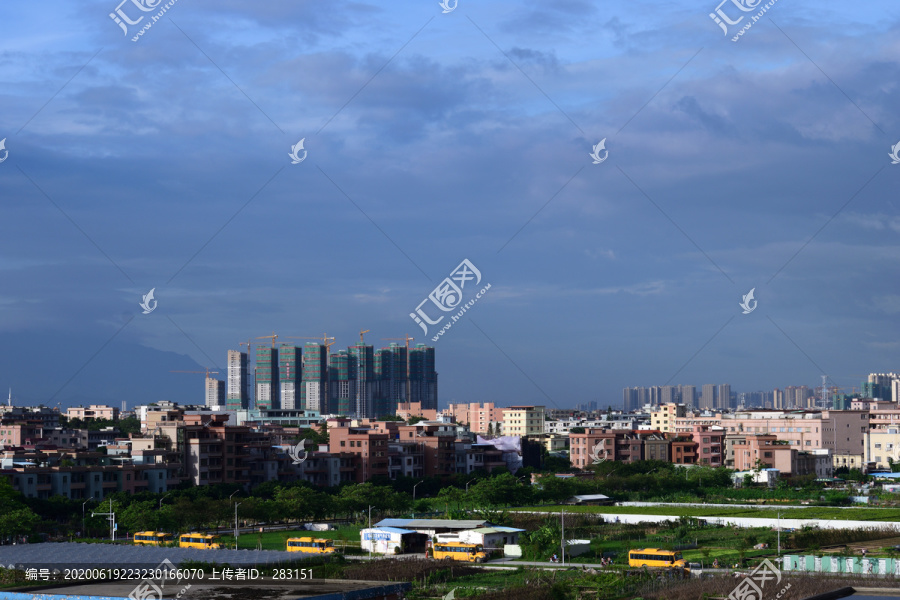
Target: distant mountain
x: 66, y: 368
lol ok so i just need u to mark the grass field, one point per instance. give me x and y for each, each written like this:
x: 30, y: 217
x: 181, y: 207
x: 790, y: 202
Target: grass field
x: 277, y: 540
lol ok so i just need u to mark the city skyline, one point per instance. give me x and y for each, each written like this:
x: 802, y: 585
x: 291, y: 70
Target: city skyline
x: 642, y: 197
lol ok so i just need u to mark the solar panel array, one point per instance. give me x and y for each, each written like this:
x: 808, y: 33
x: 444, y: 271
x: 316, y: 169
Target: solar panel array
x: 81, y: 555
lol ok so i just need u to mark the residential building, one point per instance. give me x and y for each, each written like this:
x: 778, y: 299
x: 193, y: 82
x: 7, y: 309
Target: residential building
x: 523, y: 420
x: 314, y: 391
x: 267, y: 378
x: 708, y: 396
x: 423, y: 378
x: 290, y: 377
x: 662, y: 418
x: 93, y: 412
x: 392, y: 381
x: 215, y: 393
x: 237, y: 396
x: 363, y: 402
x: 480, y: 418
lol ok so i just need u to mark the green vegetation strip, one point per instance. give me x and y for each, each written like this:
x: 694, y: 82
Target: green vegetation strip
x: 814, y: 512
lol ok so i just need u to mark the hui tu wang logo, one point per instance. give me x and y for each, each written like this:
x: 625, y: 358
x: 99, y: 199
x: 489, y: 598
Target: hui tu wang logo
x: 6, y: 152
x: 895, y: 150
x: 295, y: 452
x: 723, y: 20
x: 448, y: 296
x: 601, y: 145
x: 447, y: 6
x: 296, y: 159
x: 147, y: 299
x: 599, y: 453
x: 747, y: 299
x: 752, y: 587
x: 123, y: 20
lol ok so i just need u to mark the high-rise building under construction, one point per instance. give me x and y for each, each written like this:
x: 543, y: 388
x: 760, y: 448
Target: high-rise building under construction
x: 390, y: 379
x: 314, y: 390
x: 342, y: 383
x: 290, y: 374
x: 267, y: 384
x: 423, y: 379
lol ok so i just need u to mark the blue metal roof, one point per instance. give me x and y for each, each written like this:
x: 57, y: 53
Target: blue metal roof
x: 392, y: 530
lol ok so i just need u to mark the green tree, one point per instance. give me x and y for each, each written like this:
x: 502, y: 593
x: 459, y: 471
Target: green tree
x: 414, y: 420
x: 501, y: 490
x: 20, y: 521
x: 300, y: 503
x: 554, y: 489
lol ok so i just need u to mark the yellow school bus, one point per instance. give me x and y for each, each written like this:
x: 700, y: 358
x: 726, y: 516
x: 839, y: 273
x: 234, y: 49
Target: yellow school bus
x: 199, y: 540
x: 458, y: 551
x: 310, y: 545
x: 656, y: 558
x: 152, y: 538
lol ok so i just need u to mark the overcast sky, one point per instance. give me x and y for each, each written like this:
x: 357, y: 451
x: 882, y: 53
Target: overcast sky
x: 432, y: 137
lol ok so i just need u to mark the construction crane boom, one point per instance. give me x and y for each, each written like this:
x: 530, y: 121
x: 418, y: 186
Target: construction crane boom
x: 273, y: 337
x: 208, y: 372
x: 361, y: 340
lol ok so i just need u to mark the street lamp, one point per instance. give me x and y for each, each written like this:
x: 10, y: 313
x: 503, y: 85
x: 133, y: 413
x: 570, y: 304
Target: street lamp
x: 161, y: 499
x: 467, y: 486
x: 414, y: 490
x: 82, y: 515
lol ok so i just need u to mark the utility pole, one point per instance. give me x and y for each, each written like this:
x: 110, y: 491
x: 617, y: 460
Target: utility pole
x: 779, y: 534
x: 371, y: 541
x: 111, y: 517
x: 236, y: 504
x: 562, y: 541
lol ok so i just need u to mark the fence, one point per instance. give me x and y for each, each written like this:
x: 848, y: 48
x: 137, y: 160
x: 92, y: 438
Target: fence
x: 842, y: 564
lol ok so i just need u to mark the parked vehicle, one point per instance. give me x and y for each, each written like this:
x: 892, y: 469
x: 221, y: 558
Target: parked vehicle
x: 199, y: 540
x: 656, y: 558
x: 310, y: 545
x: 152, y: 538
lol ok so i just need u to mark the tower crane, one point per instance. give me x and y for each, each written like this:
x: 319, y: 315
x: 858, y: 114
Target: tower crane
x: 361, y: 340
x: 324, y: 339
x: 274, y: 337
x: 208, y: 372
